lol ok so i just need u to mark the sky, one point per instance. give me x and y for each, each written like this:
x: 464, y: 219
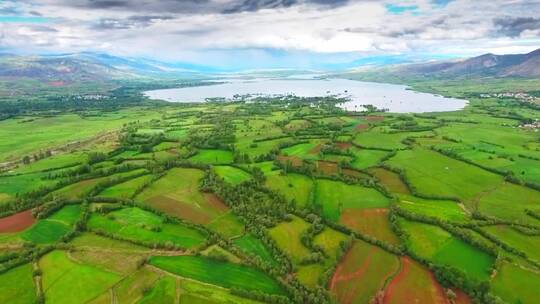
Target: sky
x: 271, y: 34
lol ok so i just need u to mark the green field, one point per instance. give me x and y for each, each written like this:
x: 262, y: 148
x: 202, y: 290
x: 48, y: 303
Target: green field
x: 294, y: 186
x: 51, y: 229
x: 65, y: 281
x: 350, y: 207
x: 139, y: 225
x: 18, y: 285
x: 334, y: 197
x: 126, y: 190
x: 214, y: 157
x: 287, y: 237
x: 434, y: 243
x: 254, y: 246
x: 437, y: 175
x: 232, y: 175
x: 516, y: 285
x: 218, y: 273
x: 177, y: 194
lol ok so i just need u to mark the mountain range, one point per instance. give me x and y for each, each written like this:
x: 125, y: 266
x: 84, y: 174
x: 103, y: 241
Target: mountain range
x: 515, y: 65
x: 97, y: 67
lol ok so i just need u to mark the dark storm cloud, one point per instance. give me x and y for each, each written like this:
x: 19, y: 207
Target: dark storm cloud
x: 514, y: 26
x: 137, y: 21
x: 255, y: 5
x: 190, y: 6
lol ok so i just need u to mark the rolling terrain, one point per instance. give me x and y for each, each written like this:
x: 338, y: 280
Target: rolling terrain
x: 274, y: 201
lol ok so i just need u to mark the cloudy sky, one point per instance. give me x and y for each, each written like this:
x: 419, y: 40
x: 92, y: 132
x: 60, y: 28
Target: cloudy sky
x: 272, y: 33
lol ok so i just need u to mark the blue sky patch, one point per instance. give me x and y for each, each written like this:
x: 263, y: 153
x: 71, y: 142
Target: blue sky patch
x: 400, y: 9
x: 23, y: 19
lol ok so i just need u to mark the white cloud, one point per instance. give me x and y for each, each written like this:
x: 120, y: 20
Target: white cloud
x: 362, y: 27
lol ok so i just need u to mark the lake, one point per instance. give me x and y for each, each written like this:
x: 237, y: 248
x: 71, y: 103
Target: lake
x: 395, y: 98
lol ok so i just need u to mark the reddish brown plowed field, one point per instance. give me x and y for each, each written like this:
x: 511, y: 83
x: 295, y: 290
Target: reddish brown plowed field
x: 374, y: 118
x: 179, y: 209
x: 295, y: 161
x: 343, y: 145
x: 414, y: 284
x: 327, y: 168
x: 373, y: 222
x: 17, y: 222
x: 216, y: 202
x: 361, y: 127
x: 342, y: 275
x: 316, y: 149
x: 361, y: 274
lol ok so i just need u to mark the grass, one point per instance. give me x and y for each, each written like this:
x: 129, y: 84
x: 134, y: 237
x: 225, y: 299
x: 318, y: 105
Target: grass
x: 125, y: 190
x: 530, y: 244
x: 65, y: 281
x: 213, y: 157
x: 294, y: 186
x: 177, y: 193
x: 334, y: 197
x: 139, y: 225
x: 496, y: 203
x: 438, y: 175
x: 219, y: 273
x: 287, y: 237
x: 232, y: 175
x: 228, y: 225
x: 251, y: 245
x: 52, y: 229
x: 392, y: 181
x: 18, y: 285
x: 163, y: 291
x: 437, y: 245
x: 131, y: 289
x: 56, y: 130
x: 515, y: 284
x: 379, y: 138
x: 366, y: 158
x: 304, y: 150
x: 442, y: 209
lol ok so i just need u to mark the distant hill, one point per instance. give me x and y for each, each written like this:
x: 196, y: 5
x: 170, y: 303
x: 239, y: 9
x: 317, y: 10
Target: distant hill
x: 85, y: 67
x: 518, y: 65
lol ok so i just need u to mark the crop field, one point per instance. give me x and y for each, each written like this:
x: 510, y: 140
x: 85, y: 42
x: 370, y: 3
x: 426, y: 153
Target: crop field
x: 294, y: 186
x: 18, y: 285
x: 215, y: 272
x: 65, y: 281
x: 335, y: 197
x: 253, y: 246
x: 516, y: 284
x: 271, y: 201
x: 373, y: 222
x: 442, y: 209
x: 61, y: 129
x: 412, y: 276
x: 439, y: 175
x: 435, y: 243
x: 138, y: 225
x: 231, y: 174
x: 215, y: 157
x: 287, y: 237
x: 126, y: 190
x: 530, y: 244
x: 177, y: 194
x: 362, y: 273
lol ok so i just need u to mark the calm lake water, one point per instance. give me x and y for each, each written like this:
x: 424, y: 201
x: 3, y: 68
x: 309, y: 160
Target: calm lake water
x: 395, y: 98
